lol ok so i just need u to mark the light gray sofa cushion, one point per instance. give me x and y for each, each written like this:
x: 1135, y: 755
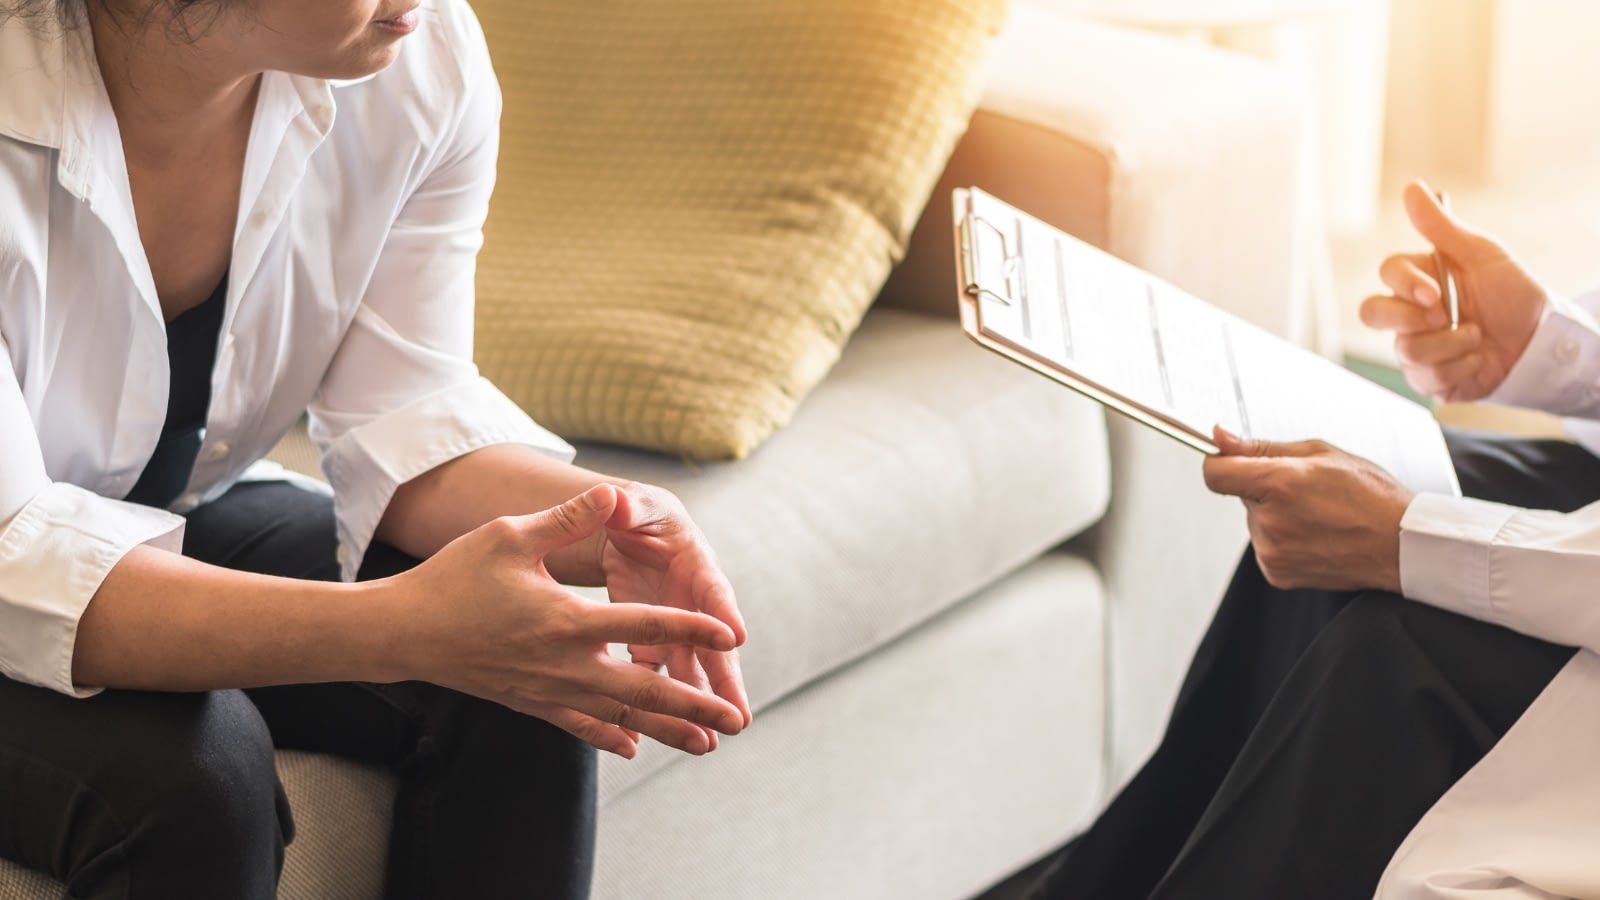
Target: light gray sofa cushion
x: 980, y: 732
x: 874, y: 509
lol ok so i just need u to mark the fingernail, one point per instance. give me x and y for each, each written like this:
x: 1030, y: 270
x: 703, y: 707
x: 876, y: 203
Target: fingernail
x: 1227, y: 435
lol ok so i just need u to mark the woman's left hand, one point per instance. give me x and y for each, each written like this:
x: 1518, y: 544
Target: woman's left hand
x: 1318, y: 517
x: 652, y: 552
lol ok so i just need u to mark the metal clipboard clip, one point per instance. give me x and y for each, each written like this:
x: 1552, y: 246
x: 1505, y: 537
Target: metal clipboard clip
x: 1002, y: 282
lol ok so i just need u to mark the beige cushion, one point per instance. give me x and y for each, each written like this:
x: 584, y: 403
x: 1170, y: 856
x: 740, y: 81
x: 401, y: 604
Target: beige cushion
x: 699, y: 199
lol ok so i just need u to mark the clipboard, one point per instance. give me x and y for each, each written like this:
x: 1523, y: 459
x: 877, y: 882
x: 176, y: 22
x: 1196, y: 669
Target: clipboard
x: 989, y: 265
x: 1164, y: 358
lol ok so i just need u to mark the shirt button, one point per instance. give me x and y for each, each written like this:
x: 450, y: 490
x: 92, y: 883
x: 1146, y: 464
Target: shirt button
x: 217, y: 451
x: 1566, y: 351
x: 187, y: 502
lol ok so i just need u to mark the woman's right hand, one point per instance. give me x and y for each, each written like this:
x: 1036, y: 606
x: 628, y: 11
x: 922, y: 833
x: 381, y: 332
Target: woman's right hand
x: 483, y: 616
x: 1500, y: 305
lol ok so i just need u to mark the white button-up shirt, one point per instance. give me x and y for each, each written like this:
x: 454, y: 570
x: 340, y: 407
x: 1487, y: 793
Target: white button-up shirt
x: 1532, y: 571
x: 350, y: 294
x: 1524, y: 822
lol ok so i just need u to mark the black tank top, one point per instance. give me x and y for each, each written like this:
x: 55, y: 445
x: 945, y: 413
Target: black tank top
x: 191, y: 357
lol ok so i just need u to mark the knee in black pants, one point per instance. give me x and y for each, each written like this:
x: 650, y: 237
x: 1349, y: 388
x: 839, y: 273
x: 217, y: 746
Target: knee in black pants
x: 156, y: 795
x: 1485, y: 675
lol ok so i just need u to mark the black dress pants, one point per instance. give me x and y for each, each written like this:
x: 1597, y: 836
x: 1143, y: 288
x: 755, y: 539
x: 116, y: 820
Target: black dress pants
x: 1314, y: 729
x: 130, y: 795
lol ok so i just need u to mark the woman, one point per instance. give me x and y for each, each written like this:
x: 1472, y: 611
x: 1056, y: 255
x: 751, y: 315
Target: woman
x: 216, y: 214
x: 1376, y: 645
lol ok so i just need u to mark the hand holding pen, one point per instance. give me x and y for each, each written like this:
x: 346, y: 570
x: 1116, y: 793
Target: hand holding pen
x: 1463, y: 313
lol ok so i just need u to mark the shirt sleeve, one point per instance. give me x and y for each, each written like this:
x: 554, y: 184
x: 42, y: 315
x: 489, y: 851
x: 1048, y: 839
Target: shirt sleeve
x: 402, y: 395
x: 57, y: 543
x: 1559, y: 372
x: 1531, y: 571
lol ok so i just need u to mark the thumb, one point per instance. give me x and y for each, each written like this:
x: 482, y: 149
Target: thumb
x: 573, y: 520
x: 1233, y: 445
x: 1437, y: 225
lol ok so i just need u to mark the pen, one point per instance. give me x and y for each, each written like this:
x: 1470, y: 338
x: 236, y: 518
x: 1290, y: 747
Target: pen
x: 1447, y: 280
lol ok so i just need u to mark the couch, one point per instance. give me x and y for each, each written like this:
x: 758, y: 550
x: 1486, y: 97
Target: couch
x: 970, y: 594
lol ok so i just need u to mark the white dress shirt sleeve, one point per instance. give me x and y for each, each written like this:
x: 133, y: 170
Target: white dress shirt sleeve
x: 402, y: 395
x: 1531, y: 571
x: 1559, y: 372
x: 57, y: 543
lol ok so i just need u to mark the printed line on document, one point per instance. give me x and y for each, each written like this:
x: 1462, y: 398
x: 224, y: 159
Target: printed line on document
x: 1061, y: 298
x: 1155, y: 337
x: 1017, y: 269
x: 1233, y: 373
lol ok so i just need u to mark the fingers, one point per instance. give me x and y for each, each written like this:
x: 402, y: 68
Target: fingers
x: 592, y: 731
x: 646, y: 624
x: 1445, y: 380
x: 710, y: 670
x: 1432, y: 348
x: 1436, y: 363
x: 614, y: 726
x: 669, y: 730
x: 726, y: 680
x: 1412, y: 276
x: 1435, y: 224
x: 631, y: 686
x: 1233, y: 445
x: 683, y: 665
x: 713, y: 595
x: 1386, y: 313
x: 1236, y: 476
x: 571, y: 521
x: 1248, y: 468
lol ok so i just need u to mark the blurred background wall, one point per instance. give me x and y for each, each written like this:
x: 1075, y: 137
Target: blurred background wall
x: 1496, y: 101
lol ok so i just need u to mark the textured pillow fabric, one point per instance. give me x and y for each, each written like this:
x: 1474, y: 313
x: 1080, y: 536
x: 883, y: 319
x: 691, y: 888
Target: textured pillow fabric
x: 698, y: 199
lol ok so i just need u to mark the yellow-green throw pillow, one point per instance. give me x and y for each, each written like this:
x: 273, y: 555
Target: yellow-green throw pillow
x: 698, y: 199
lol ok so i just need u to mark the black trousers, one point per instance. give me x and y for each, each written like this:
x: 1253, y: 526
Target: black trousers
x: 1314, y: 729
x: 133, y: 794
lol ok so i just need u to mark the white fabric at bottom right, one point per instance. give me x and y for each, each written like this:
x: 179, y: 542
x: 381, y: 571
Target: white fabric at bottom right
x: 1518, y: 826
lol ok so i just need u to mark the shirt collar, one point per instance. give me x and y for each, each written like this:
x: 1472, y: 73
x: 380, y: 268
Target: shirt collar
x: 34, y: 74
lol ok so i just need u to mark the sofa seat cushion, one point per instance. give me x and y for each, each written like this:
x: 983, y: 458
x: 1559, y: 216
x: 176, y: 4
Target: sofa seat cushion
x: 922, y: 469
x: 954, y: 754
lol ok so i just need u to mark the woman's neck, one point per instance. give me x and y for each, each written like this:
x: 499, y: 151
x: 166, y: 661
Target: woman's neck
x: 172, y: 95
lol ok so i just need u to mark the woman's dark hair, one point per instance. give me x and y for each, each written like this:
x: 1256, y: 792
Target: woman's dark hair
x: 69, y: 13
x: 33, y: 9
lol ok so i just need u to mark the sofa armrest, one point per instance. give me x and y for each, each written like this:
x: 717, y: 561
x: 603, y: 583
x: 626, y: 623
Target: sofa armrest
x: 1178, y: 157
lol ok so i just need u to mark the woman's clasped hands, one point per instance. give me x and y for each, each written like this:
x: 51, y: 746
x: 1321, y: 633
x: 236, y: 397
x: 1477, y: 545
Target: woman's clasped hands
x: 484, y: 616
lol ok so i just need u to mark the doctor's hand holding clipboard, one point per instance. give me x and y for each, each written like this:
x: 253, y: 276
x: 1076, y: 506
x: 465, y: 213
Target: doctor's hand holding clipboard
x: 1462, y: 316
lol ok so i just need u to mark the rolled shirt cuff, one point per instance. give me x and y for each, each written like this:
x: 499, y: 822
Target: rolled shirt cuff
x: 54, y: 555
x: 369, y: 462
x: 1445, y: 548
x: 1559, y: 371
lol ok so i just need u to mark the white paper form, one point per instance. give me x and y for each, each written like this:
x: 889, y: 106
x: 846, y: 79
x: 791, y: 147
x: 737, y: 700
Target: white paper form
x: 1149, y: 349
